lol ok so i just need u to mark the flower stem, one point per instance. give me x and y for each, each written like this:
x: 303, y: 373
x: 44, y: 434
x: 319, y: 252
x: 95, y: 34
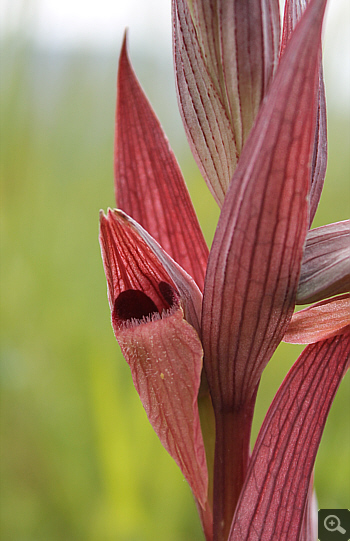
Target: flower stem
x: 232, y: 451
x: 207, y: 420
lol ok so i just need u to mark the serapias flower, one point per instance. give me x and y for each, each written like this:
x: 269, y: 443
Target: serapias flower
x: 197, y: 328
x: 161, y: 348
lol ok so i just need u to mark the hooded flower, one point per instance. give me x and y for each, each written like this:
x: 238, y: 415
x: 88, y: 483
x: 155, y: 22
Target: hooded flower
x: 197, y: 328
x: 161, y: 348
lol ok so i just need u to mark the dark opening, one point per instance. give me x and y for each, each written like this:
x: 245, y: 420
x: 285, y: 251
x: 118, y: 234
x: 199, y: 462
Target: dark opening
x: 133, y: 303
x: 168, y: 293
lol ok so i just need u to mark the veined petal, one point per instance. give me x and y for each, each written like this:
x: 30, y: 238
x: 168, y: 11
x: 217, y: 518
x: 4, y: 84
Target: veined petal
x: 131, y: 266
x: 319, y: 159
x: 325, y: 269
x: 254, y: 264
x: 240, y: 42
x: 206, y: 121
x: 275, y: 492
x: 292, y: 14
x: 293, y: 11
x: 225, y: 56
x: 319, y: 321
x: 164, y: 356
x: 148, y: 182
x: 163, y: 350
x: 190, y: 294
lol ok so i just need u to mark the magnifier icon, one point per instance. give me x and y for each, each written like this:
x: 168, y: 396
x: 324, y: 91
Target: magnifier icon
x: 332, y: 524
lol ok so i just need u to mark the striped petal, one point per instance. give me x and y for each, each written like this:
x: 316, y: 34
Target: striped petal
x: 240, y: 42
x: 319, y: 321
x: 205, y: 118
x: 292, y: 14
x: 187, y: 288
x: 225, y: 56
x: 325, y: 269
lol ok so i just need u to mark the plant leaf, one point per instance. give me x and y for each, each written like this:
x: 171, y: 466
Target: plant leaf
x: 319, y: 321
x: 325, y: 269
x: 276, y: 489
x: 254, y: 264
x: 148, y: 182
x: 163, y: 350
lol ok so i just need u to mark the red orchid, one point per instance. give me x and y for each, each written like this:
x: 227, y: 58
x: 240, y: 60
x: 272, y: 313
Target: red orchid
x: 197, y: 328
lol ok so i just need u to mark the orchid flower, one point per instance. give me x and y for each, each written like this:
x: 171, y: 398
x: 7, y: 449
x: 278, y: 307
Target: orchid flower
x: 197, y: 328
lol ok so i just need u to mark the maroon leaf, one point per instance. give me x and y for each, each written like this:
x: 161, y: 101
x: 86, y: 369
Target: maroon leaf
x: 148, y: 181
x: 319, y: 321
x: 275, y: 493
x: 325, y: 269
x: 292, y: 14
x: 163, y: 351
x: 253, y: 268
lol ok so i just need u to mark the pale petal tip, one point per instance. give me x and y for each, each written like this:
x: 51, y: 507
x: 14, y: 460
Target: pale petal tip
x: 124, y: 53
x: 110, y: 213
x: 102, y: 216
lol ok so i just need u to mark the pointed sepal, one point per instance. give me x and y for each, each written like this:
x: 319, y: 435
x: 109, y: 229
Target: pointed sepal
x: 240, y: 43
x: 206, y: 122
x: 255, y: 259
x: 149, y: 184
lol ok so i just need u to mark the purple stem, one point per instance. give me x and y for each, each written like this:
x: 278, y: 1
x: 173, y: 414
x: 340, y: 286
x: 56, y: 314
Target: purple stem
x: 232, y: 453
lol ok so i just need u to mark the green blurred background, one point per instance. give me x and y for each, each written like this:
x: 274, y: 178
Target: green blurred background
x: 79, y: 460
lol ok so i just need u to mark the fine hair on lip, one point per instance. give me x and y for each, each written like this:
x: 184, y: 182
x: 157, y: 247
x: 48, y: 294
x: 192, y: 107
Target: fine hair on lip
x: 136, y: 304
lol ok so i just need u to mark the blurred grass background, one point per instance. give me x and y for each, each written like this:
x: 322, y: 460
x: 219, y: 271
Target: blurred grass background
x: 79, y: 460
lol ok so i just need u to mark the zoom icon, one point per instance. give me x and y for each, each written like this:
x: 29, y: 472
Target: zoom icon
x: 333, y: 524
